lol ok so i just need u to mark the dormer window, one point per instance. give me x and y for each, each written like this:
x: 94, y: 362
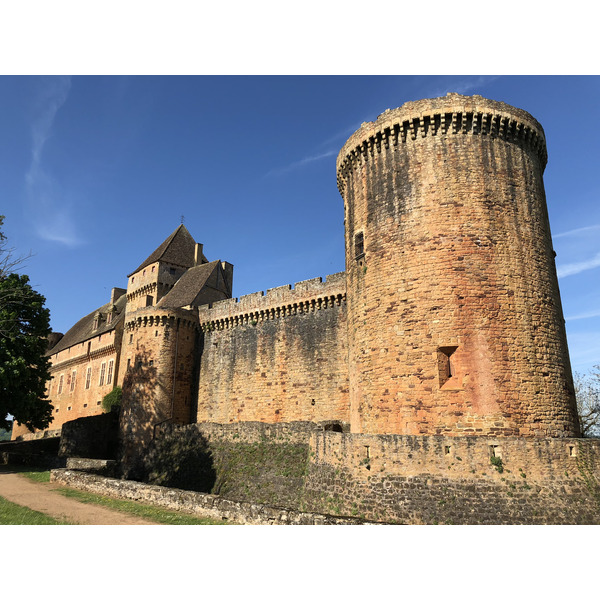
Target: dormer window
x: 97, y: 321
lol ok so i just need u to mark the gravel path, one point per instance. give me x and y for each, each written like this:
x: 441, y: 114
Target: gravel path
x: 42, y: 497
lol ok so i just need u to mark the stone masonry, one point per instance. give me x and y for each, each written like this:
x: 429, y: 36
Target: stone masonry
x: 447, y: 322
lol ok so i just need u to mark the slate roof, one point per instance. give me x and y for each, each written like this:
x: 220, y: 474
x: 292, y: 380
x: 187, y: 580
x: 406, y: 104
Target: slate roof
x: 84, y: 328
x: 178, y: 249
x: 188, y: 286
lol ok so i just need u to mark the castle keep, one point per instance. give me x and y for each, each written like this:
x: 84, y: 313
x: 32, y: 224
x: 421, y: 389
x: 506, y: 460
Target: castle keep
x: 447, y: 320
x: 441, y: 345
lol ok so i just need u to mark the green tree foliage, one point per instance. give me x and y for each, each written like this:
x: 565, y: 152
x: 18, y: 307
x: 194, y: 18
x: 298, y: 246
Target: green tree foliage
x: 587, y: 392
x: 112, y: 400
x: 24, y: 328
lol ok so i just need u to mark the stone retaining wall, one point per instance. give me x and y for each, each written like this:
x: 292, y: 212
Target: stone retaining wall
x: 202, y: 505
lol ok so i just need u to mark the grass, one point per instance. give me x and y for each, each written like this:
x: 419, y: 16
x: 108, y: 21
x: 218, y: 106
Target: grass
x: 14, y: 514
x: 37, y: 475
x: 145, y: 511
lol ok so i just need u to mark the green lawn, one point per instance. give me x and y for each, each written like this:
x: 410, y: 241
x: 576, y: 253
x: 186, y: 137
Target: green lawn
x: 39, y: 475
x: 145, y: 511
x: 14, y: 514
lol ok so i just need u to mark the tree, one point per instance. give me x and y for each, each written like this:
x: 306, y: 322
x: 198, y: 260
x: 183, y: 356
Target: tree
x: 24, y: 329
x: 112, y: 400
x: 587, y: 393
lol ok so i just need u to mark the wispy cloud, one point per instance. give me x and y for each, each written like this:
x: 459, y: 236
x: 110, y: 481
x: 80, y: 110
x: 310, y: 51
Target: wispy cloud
x: 578, y: 231
x: 462, y: 86
x: 301, y: 163
x: 50, y: 213
x: 586, y: 315
x: 578, y: 267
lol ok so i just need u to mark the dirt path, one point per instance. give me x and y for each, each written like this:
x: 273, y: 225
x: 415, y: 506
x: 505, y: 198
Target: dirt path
x: 41, y: 497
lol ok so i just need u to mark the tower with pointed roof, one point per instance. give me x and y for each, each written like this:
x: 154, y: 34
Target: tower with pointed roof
x: 159, y: 352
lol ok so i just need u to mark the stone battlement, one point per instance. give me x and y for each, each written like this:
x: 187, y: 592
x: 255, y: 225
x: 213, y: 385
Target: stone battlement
x: 305, y: 296
x: 452, y: 114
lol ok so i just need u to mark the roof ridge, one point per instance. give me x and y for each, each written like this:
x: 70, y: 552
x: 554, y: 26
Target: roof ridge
x: 181, y: 234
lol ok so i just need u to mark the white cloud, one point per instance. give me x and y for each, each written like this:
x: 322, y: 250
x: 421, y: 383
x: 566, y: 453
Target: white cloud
x: 300, y: 163
x: 463, y: 87
x: 578, y: 267
x: 585, y: 315
x: 47, y: 208
x: 577, y: 231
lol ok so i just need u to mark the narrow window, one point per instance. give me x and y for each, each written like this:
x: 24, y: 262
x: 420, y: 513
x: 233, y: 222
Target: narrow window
x: 88, y: 378
x: 60, y: 384
x: 111, y: 364
x: 69, y: 407
x: 128, y: 363
x: 89, y: 348
x: 109, y: 318
x: 446, y: 368
x: 149, y: 300
x: 359, y: 245
x: 131, y: 338
x: 102, y: 372
x: 73, y: 376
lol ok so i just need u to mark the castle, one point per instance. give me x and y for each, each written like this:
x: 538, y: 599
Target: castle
x: 447, y: 320
x: 429, y: 382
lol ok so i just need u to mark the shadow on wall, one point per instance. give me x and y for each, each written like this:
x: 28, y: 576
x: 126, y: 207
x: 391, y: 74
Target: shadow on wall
x: 180, y: 458
x: 144, y: 405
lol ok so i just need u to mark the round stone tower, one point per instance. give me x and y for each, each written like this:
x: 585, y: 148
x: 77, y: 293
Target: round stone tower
x: 454, y: 314
x: 158, y: 355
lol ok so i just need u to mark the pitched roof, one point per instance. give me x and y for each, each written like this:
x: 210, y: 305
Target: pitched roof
x: 178, y: 249
x: 188, y: 286
x: 84, y: 328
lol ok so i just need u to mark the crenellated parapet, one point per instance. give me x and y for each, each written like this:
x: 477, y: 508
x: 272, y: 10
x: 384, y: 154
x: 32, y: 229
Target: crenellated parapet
x: 450, y: 115
x: 306, y: 296
x: 156, y: 317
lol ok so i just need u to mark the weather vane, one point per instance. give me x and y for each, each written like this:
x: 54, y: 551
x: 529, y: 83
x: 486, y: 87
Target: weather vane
x: 182, y: 219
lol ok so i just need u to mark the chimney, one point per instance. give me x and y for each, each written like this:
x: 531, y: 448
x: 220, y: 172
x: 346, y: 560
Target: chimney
x: 198, y: 255
x: 115, y: 294
x: 228, y: 276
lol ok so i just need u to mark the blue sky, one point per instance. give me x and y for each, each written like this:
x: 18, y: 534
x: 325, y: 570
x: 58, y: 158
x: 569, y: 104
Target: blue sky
x: 96, y: 171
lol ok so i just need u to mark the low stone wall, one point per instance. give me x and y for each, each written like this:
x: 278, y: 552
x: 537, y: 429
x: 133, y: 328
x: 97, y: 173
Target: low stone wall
x: 37, y: 452
x: 202, y: 505
x: 407, y: 479
x: 91, y: 437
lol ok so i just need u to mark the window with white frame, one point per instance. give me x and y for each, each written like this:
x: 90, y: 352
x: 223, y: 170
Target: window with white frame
x: 88, y: 378
x: 60, y: 384
x: 102, y: 372
x: 73, y: 377
x: 109, y: 375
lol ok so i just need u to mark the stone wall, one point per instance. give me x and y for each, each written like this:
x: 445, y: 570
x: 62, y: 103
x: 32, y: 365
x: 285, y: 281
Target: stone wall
x: 407, y: 479
x: 276, y: 357
x: 199, y: 504
x: 91, y: 437
x: 454, y: 316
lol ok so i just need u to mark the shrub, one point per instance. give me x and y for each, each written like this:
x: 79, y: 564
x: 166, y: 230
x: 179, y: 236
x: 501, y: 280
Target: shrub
x: 112, y: 400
